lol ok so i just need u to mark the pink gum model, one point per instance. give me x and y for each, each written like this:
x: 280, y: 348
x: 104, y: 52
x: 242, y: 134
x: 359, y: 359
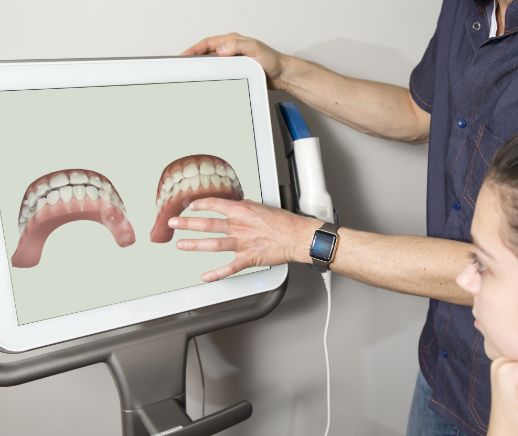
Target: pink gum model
x: 188, y: 179
x: 64, y: 196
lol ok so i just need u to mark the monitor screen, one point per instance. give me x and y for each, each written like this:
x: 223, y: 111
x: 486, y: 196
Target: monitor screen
x: 93, y: 174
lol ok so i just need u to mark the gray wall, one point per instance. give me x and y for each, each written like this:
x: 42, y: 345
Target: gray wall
x: 277, y: 363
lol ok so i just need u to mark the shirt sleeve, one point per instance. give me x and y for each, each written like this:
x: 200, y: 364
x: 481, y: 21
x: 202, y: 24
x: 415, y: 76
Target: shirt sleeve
x: 422, y: 78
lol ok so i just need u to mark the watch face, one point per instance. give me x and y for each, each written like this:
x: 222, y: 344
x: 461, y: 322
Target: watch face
x: 322, y: 245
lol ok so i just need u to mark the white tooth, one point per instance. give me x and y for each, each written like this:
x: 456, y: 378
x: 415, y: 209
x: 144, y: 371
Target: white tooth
x: 220, y: 170
x: 168, y: 184
x: 42, y: 189
x: 160, y: 203
x: 226, y: 181
x: 32, y: 199
x: 195, y: 182
x: 216, y: 180
x: 92, y: 192
x: 185, y: 185
x: 66, y: 193
x: 177, y: 176
x: 205, y: 180
x: 25, y: 213
x: 107, y: 187
x: 164, y: 193
x: 231, y: 174
x: 206, y: 168
x: 78, y: 178
x: 116, y: 201
x: 190, y: 170
x: 21, y: 228
x: 23, y: 220
x: 58, y: 180
x: 176, y: 190
x: 105, y: 195
x: 53, y: 197
x: 96, y: 181
x: 41, y: 202
x: 79, y: 192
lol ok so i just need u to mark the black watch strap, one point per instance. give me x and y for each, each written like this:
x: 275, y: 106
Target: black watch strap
x: 322, y: 265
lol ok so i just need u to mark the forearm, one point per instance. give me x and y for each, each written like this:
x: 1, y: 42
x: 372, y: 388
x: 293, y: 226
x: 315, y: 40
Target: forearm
x: 378, y: 109
x: 413, y: 265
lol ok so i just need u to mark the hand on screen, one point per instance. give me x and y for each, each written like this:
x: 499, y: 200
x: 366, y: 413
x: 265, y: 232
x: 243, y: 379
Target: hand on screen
x: 260, y: 235
x: 504, y: 397
x: 234, y: 44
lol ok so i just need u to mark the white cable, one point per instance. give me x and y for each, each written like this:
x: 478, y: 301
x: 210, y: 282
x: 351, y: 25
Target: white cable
x: 326, y: 276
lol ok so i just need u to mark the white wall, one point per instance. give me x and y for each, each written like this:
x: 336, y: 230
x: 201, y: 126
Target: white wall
x: 277, y: 362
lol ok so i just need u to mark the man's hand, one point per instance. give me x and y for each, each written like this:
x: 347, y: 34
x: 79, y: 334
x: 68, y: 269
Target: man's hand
x: 259, y: 235
x: 504, y: 398
x: 234, y: 44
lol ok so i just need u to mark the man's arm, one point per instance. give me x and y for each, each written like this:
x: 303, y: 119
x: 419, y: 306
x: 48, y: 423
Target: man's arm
x: 415, y: 265
x: 262, y: 235
x: 378, y: 109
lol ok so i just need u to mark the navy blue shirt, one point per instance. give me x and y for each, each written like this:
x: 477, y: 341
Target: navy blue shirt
x: 469, y: 84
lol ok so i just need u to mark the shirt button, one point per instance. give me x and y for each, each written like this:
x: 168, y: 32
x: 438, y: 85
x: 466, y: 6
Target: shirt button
x: 445, y: 354
x: 456, y: 206
x: 462, y: 123
x: 476, y: 25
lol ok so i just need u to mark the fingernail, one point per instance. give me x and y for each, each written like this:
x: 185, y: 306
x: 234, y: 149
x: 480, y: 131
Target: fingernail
x: 173, y: 222
x: 180, y: 244
x: 221, y: 48
x: 192, y: 206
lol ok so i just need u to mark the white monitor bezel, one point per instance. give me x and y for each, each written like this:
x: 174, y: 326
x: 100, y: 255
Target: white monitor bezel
x: 86, y: 73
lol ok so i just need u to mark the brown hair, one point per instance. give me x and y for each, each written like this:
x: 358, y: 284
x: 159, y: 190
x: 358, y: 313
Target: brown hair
x: 503, y: 175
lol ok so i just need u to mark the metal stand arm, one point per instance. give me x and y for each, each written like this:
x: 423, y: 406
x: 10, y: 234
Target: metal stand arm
x: 148, y: 367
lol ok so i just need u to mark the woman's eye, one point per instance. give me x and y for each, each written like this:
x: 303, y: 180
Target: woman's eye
x: 477, y: 263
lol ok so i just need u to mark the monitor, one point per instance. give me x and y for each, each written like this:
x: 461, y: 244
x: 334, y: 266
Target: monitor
x: 96, y: 156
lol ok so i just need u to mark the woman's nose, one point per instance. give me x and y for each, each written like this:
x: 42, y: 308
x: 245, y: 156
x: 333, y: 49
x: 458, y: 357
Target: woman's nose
x: 469, y: 279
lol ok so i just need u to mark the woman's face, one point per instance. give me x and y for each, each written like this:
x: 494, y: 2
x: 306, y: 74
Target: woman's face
x: 492, y: 278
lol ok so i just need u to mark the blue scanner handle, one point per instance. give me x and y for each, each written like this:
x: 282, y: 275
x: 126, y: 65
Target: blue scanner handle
x: 297, y: 127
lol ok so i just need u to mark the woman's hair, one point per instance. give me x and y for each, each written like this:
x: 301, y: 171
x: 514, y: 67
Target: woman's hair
x: 503, y: 175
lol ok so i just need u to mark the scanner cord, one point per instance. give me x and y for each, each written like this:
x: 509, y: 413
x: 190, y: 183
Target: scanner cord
x: 326, y: 276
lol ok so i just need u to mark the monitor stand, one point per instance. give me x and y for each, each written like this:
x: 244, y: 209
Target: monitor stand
x: 148, y: 363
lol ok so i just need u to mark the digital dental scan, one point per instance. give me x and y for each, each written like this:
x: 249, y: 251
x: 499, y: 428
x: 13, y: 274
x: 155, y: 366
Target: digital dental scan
x: 95, y: 172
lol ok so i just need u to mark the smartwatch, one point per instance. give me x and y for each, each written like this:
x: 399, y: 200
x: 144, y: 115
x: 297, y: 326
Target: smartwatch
x: 323, y: 246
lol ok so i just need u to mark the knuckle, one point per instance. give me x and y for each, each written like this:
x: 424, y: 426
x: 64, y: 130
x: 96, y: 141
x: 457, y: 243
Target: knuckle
x: 210, y: 224
x: 220, y: 244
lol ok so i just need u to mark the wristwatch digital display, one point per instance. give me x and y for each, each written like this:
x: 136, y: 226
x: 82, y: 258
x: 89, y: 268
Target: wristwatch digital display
x: 323, y: 246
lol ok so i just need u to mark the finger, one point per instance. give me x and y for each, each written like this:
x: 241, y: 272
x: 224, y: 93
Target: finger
x: 220, y: 205
x: 212, y: 225
x: 208, y: 45
x: 227, y: 270
x: 208, y: 244
x: 238, y: 46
